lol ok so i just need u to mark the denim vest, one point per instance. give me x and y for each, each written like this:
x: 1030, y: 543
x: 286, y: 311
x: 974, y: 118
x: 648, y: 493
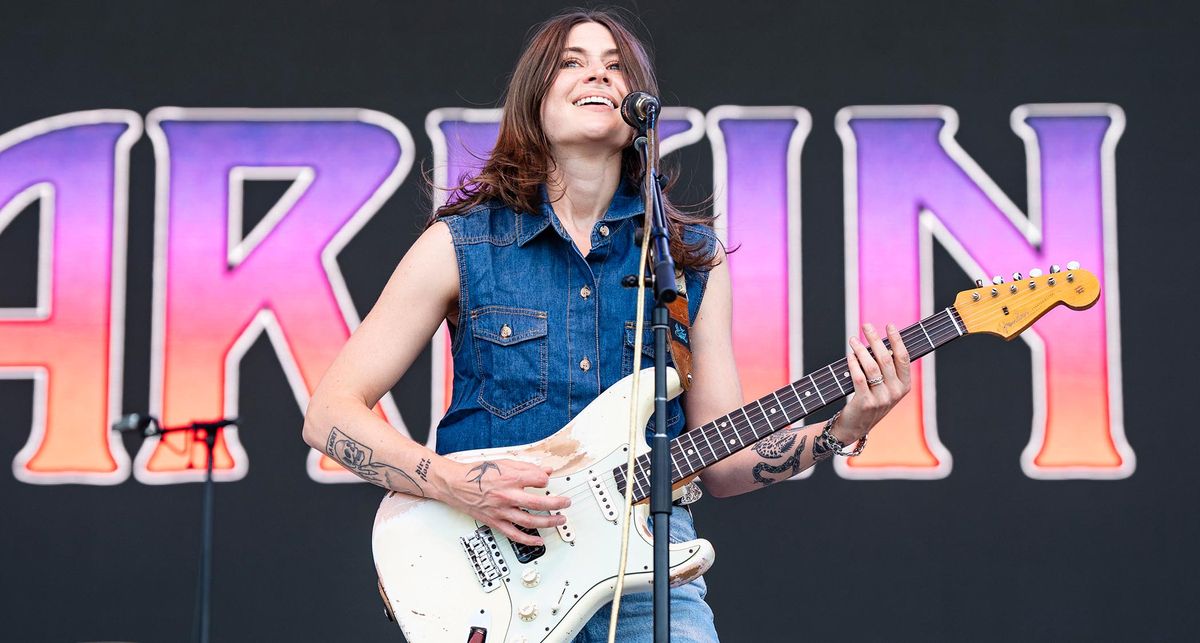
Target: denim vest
x: 543, y: 330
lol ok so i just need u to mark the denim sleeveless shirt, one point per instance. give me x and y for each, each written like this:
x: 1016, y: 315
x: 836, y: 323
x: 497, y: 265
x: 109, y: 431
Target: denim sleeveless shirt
x: 542, y: 329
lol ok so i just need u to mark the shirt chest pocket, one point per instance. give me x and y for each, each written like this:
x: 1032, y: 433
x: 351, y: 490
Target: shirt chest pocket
x: 511, y: 358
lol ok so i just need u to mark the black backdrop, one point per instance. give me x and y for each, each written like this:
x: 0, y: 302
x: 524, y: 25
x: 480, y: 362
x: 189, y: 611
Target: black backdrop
x: 985, y: 554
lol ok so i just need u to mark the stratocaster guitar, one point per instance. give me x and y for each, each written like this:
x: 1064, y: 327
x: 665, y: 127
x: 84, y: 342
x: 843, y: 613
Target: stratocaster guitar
x: 441, y: 573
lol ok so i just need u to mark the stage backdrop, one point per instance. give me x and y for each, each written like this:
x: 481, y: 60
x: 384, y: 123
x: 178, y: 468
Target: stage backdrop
x: 199, y: 204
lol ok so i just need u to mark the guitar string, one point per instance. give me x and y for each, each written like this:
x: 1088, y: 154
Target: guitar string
x: 940, y: 325
x: 945, y: 325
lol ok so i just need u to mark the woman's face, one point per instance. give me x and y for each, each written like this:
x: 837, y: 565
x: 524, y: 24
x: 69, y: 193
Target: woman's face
x: 583, y: 104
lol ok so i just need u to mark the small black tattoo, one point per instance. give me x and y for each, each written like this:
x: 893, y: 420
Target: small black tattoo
x: 792, y: 463
x: 482, y: 469
x: 821, y: 449
x: 357, y: 457
x: 423, y: 469
x: 775, y: 445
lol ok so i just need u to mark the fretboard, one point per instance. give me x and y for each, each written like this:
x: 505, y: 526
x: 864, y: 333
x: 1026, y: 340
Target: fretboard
x: 728, y: 434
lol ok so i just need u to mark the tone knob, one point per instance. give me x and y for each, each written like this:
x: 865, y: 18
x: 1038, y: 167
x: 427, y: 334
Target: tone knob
x: 528, y: 612
x: 531, y: 578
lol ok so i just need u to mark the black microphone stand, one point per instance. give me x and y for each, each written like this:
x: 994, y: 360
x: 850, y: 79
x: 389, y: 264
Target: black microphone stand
x: 664, y: 293
x: 148, y: 426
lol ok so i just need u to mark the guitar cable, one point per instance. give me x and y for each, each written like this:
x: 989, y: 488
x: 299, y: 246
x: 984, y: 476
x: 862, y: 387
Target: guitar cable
x: 634, y: 427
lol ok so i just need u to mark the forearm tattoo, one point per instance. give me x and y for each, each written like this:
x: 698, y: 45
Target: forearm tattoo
x: 358, y: 458
x: 774, y: 447
x: 479, y: 471
x: 423, y: 469
x: 821, y: 450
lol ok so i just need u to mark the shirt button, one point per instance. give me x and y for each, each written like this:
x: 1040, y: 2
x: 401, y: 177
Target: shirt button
x: 585, y: 365
x: 585, y: 292
x: 604, y: 231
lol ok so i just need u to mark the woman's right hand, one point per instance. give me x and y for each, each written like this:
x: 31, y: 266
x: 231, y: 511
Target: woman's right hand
x: 494, y: 493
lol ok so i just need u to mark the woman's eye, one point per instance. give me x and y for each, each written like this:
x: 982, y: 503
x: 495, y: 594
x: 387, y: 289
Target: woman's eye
x: 570, y: 62
x: 614, y: 66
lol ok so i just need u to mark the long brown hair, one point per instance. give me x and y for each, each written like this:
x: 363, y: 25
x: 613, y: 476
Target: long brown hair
x: 521, y: 161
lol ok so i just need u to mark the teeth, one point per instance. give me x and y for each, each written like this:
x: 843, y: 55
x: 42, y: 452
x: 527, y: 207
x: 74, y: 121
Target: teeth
x: 595, y: 100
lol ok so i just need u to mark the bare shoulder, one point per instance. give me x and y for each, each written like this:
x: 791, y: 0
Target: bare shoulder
x: 427, y: 274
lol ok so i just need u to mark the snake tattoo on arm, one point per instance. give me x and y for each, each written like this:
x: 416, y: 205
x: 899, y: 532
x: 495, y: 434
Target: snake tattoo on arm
x: 774, y: 447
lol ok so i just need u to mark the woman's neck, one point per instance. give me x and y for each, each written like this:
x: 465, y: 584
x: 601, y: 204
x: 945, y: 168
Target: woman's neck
x: 582, y: 186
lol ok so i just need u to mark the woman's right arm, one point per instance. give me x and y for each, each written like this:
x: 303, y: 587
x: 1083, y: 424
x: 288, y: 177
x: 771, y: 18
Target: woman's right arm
x: 339, y: 421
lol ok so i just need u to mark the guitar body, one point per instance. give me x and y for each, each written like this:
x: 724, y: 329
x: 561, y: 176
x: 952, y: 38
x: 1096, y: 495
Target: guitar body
x: 441, y: 572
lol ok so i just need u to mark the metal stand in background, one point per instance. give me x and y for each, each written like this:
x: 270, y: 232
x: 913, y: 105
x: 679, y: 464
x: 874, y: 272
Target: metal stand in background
x: 148, y: 426
x: 664, y: 293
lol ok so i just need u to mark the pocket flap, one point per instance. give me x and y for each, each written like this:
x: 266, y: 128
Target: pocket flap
x: 506, y: 326
x: 647, y: 338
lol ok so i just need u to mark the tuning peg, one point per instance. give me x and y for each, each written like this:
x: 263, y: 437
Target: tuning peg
x: 997, y: 280
x: 979, y: 282
x: 1016, y: 276
x: 1055, y: 269
x: 1035, y: 273
x: 1072, y: 265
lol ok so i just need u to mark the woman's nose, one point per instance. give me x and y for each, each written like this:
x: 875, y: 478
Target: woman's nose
x: 598, y: 73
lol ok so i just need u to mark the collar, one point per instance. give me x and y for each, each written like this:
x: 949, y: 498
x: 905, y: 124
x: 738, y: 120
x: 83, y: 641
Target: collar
x: 626, y: 203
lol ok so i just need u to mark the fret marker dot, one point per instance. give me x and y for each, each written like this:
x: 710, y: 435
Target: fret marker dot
x: 772, y: 409
x: 807, y: 393
x: 846, y: 374
x: 733, y: 442
x: 724, y: 424
x: 690, y: 452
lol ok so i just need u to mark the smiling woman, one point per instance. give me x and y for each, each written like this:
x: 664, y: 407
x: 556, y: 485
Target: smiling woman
x: 525, y: 264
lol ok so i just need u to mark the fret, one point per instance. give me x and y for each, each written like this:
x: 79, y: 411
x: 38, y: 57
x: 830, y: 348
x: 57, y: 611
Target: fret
x: 955, y: 322
x: 799, y: 399
x: 704, y: 435
x: 813, y: 383
x: 778, y: 408
x: 836, y: 380
x: 922, y: 327
x: 674, y: 463
x: 691, y: 436
x: 749, y: 422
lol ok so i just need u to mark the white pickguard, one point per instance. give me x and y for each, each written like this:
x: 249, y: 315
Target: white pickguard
x: 433, y: 589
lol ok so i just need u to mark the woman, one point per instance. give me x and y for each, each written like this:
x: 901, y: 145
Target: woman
x: 525, y: 264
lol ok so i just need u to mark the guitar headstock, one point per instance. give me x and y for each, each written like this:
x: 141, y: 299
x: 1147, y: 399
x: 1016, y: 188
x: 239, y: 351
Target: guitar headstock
x: 1006, y: 309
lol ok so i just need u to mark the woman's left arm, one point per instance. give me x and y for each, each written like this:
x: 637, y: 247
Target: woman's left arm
x: 716, y: 391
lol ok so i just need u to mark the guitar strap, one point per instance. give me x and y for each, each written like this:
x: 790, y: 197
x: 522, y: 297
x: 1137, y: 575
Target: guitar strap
x: 680, y: 328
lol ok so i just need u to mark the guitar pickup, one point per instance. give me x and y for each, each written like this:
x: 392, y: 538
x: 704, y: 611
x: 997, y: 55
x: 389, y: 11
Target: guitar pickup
x: 600, y: 493
x: 485, y: 558
x: 528, y: 553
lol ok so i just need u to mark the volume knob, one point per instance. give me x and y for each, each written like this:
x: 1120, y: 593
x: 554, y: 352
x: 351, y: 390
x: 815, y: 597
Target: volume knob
x: 528, y: 612
x: 531, y: 578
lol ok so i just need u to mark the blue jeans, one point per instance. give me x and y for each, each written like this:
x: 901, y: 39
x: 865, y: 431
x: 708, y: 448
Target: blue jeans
x: 691, y: 618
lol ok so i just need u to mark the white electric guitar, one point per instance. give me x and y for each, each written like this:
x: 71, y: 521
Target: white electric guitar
x: 442, y: 574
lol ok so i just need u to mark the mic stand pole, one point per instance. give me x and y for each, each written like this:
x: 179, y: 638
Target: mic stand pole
x: 204, y: 579
x: 664, y: 293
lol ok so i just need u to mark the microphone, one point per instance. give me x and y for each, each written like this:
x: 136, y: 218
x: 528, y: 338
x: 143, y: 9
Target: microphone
x: 133, y: 422
x: 637, y: 108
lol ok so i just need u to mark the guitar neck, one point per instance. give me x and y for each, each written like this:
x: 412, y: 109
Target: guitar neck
x: 728, y: 434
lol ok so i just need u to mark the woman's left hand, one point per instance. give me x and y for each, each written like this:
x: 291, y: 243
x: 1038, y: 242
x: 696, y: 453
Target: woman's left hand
x: 881, y: 378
